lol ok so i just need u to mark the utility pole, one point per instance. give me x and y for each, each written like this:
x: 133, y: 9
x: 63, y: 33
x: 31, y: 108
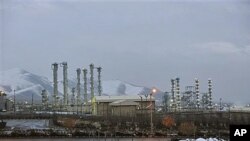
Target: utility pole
x: 151, y: 111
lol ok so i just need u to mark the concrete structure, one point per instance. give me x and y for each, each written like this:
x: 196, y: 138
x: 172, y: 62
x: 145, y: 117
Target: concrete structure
x: 123, y: 105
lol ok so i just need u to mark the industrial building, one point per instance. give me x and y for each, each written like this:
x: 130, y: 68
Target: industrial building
x: 191, y: 98
x: 123, y: 105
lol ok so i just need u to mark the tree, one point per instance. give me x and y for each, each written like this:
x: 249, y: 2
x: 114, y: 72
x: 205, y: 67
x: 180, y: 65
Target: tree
x: 168, y: 121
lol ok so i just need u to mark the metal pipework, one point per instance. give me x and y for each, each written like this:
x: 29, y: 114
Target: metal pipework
x: 55, y: 84
x: 197, y: 92
x: 65, y: 83
x: 99, y: 81
x: 78, y: 87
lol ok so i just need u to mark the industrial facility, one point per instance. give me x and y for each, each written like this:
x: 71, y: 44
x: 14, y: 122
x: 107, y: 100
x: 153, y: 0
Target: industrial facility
x: 77, y: 104
x: 190, y: 99
x: 89, y: 99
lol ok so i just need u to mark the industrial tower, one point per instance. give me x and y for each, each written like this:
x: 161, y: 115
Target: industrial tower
x: 55, y: 84
x: 65, y: 83
x: 197, y: 93
x: 99, y: 81
x: 85, y: 95
x: 45, y: 99
x: 209, y: 94
x: 178, y: 97
x: 173, y: 104
x: 78, y: 87
x: 73, y: 96
x: 92, y: 86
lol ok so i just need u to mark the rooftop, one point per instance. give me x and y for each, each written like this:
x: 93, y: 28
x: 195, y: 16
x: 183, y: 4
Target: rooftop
x: 123, y: 97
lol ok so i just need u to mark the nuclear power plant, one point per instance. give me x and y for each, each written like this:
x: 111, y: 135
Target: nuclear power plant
x: 84, y: 101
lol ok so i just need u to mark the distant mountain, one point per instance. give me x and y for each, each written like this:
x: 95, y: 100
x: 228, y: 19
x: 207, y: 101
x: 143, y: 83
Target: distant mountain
x: 27, y: 84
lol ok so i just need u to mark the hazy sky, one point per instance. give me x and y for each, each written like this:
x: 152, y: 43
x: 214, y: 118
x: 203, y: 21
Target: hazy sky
x: 142, y: 42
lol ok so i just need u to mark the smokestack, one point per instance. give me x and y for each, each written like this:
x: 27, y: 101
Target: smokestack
x: 197, y: 93
x: 99, y: 81
x: 173, y: 94
x: 55, y: 84
x: 178, y: 99
x: 209, y: 94
x: 92, y: 85
x: 85, y: 95
x: 65, y: 83
x: 78, y: 90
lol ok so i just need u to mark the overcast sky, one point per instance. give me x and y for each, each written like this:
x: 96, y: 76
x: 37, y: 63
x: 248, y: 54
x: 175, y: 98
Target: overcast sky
x: 141, y: 42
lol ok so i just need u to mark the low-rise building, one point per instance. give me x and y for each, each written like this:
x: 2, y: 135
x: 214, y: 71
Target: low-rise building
x: 123, y: 105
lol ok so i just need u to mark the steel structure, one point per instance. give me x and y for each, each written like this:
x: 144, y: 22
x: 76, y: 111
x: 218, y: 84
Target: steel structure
x: 65, y: 83
x: 73, y: 96
x: 173, y: 103
x: 178, y: 96
x: 78, y: 87
x: 99, y: 81
x: 209, y: 94
x: 85, y: 95
x: 45, y: 99
x: 197, y: 93
x: 55, y: 84
x: 92, y: 93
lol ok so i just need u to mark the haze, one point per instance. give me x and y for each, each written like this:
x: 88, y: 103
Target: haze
x: 141, y: 42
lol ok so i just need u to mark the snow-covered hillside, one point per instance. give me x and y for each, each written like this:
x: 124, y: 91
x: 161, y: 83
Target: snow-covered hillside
x: 25, y: 84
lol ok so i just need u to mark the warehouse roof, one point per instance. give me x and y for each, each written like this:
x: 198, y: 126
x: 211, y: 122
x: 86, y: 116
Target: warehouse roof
x: 123, y: 103
x: 123, y: 97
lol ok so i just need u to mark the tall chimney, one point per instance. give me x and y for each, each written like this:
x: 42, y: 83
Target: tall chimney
x: 85, y: 95
x: 78, y: 87
x: 92, y: 86
x: 55, y: 84
x: 65, y: 83
x: 99, y: 81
